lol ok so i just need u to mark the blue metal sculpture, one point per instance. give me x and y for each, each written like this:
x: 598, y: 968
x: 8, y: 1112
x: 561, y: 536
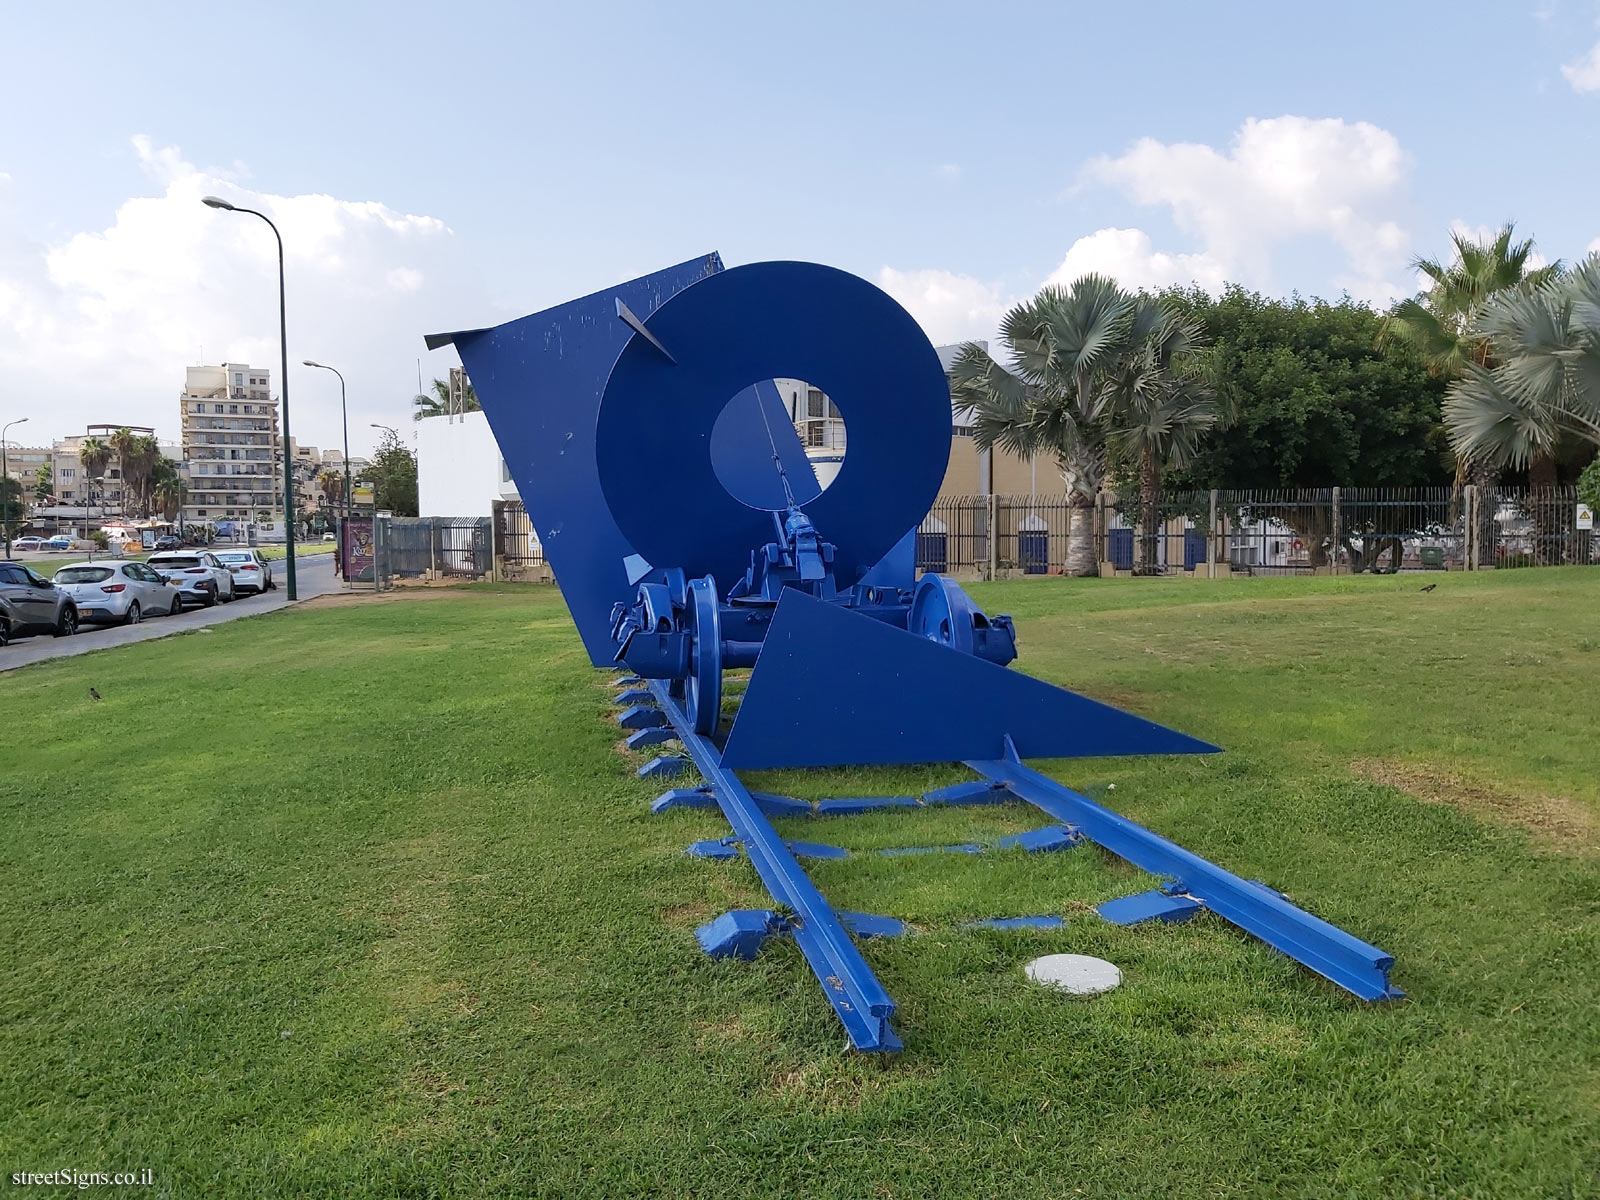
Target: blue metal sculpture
x: 690, y: 537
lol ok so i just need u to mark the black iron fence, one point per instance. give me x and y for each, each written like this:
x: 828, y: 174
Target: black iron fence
x: 445, y: 547
x: 1257, y: 532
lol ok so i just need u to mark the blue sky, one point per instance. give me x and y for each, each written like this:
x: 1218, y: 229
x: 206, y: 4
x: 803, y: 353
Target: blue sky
x: 445, y: 166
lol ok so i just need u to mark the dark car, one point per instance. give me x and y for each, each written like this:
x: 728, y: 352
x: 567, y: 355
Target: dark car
x: 30, y: 603
x: 169, y: 541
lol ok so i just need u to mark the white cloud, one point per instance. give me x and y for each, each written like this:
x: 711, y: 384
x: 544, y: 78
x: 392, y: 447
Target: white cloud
x: 101, y: 325
x: 949, y: 172
x: 1280, y: 179
x: 949, y: 307
x: 1584, y: 73
x: 1128, y: 257
x: 1593, y: 247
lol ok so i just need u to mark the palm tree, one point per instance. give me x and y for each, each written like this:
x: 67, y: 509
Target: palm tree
x: 332, y: 487
x: 1158, y: 404
x: 168, y: 491
x: 1544, y: 381
x: 1442, y: 325
x: 437, y: 401
x: 95, y: 455
x: 1095, y: 372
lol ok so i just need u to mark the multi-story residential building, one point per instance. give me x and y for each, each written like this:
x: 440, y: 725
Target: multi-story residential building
x: 231, y: 445
x: 23, y: 463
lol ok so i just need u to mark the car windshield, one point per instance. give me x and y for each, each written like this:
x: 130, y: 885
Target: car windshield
x: 176, y: 560
x: 82, y: 574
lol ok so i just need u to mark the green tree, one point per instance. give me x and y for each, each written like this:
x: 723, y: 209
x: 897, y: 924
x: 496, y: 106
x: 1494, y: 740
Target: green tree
x: 394, y: 477
x: 436, y: 401
x: 1095, y: 372
x: 95, y: 456
x: 1539, y: 383
x: 167, y: 490
x: 1314, y: 399
x: 44, y: 484
x: 1442, y: 325
x: 13, y: 505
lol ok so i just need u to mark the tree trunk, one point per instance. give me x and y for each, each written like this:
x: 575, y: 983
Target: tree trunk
x: 1080, y: 536
x: 1149, y: 512
x: 1541, y: 497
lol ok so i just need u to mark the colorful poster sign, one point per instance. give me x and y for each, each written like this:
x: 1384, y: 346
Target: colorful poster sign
x: 358, y: 558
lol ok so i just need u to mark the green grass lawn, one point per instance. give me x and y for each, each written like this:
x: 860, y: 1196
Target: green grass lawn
x: 362, y: 899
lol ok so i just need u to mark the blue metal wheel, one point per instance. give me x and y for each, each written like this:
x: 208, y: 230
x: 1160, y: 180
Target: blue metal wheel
x: 703, y: 691
x: 941, y: 612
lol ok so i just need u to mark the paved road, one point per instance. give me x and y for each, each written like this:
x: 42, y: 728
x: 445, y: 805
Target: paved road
x: 313, y: 577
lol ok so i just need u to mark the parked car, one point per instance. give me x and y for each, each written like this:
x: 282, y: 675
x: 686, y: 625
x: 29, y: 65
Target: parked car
x: 198, y: 575
x: 27, y: 543
x: 60, y: 542
x: 168, y: 541
x: 251, y: 572
x: 30, y: 603
x: 118, y: 591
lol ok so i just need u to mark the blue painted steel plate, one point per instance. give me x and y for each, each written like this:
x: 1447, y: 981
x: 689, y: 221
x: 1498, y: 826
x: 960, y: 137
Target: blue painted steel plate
x: 758, y: 322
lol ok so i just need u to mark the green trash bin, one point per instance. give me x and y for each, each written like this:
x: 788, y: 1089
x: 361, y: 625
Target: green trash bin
x: 1433, y: 558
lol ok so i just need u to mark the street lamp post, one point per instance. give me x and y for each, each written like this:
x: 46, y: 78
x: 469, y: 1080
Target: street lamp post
x: 5, y: 471
x: 344, y: 416
x: 289, y: 511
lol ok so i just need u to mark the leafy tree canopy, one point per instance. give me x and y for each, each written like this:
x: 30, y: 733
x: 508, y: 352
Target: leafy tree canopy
x: 394, y: 477
x: 1316, y: 400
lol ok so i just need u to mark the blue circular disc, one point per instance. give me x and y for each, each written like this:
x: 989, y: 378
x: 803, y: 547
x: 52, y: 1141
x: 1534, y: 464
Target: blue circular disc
x: 733, y: 329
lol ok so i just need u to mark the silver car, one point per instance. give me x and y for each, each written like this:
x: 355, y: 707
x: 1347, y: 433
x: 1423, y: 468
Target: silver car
x: 125, y: 592
x: 251, y: 572
x: 30, y: 603
x: 197, y: 574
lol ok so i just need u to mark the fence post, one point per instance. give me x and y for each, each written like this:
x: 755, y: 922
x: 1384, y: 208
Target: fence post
x: 1211, y: 539
x: 1333, y: 550
x: 992, y: 516
x: 1469, y: 509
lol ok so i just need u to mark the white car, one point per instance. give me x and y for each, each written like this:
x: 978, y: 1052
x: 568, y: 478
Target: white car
x: 26, y: 544
x: 125, y: 592
x: 251, y: 572
x: 198, y: 575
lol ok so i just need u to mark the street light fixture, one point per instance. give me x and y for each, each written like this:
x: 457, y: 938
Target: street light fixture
x: 344, y: 414
x: 5, y: 472
x: 289, y: 511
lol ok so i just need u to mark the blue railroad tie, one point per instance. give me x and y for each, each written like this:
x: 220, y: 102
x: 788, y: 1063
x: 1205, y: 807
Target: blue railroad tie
x: 740, y: 933
x: 872, y: 925
x: 978, y: 791
x: 773, y: 805
x: 1154, y: 905
x: 850, y: 806
x: 720, y: 849
x: 816, y: 850
x: 957, y: 848
x: 1354, y: 965
x: 641, y: 716
x: 664, y: 766
x: 640, y: 738
x: 862, y: 1005
x: 683, y: 798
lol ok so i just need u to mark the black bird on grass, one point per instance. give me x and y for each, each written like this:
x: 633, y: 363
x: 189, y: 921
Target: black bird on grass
x: 93, y: 695
x: 1429, y: 588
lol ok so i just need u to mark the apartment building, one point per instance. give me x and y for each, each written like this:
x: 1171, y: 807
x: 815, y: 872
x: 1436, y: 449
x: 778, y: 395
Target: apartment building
x: 231, y: 444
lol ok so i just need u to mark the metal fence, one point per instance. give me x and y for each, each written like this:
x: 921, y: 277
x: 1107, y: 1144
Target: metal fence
x: 448, y: 547
x: 1257, y: 532
x: 518, y: 553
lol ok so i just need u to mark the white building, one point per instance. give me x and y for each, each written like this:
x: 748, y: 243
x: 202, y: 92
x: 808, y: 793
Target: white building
x: 231, y: 445
x: 460, y: 471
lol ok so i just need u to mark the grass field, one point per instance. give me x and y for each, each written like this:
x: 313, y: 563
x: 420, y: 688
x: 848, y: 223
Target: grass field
x: 386, y: 915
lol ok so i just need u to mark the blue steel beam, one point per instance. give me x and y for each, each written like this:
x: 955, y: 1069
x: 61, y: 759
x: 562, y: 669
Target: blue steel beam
x: 849, y: 984
x: 1328, y: 950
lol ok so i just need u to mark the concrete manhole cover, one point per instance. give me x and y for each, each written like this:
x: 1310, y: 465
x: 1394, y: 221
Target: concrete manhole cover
x: 1078, y: 974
